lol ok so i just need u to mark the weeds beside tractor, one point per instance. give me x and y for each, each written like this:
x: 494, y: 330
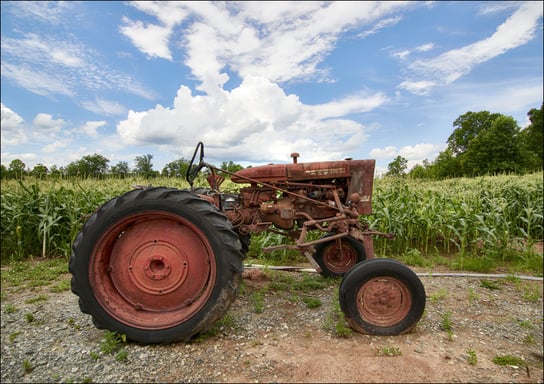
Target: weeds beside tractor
x: 162, y: 264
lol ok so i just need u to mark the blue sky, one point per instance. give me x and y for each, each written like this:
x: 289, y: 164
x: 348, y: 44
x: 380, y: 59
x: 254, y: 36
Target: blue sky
x: 256, y: 81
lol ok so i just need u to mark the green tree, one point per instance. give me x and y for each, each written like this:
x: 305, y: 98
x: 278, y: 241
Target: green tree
x: 55, y: 172
x: 39, y: 171
x: 88, y: 166
x: 144, y: 166
x: 446, y: 165
x: 17, y: 169
x: 495, y: 149
x: 532, y: 140
x: 4, y: 174
x: 397, y: 167
x: 176, y: 168
x: 467, y: 127
x: 231, y: 166
x: 120, y: 170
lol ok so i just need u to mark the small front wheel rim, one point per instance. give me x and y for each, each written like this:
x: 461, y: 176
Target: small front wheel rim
x: 383, y: 301
x: 339, y: 259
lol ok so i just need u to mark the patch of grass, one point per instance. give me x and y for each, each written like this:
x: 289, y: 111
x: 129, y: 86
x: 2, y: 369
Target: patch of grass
x: 472, y: 359
x: 529, y: 339
x: 305, y: 282
x: 388, y: 350
x: 526, y: 324
x: 228, y: 321
x: 336, y: 323
x: 10, y: 308
x: 29, y: 317
x: 312, y: 302
x: 112, y: 342
x: 490, y: 284
x: 438, y: 295
x: 94, y: 355
x: 472, y: 295
x: 37, y: 299
x: 257, y: 300
x: 512, y: 360
x: 61, y: 286
x: 13, y: 335
x: 33, y: 273
x: 27, y: 366
x: 122, y: 355
x: 72, y: 323
x: 446, y: 324
x: 414, y: 258
x: 531, y: 294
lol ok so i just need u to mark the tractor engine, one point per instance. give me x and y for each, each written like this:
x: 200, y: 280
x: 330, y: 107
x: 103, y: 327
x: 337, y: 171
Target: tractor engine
x: 283, y: 194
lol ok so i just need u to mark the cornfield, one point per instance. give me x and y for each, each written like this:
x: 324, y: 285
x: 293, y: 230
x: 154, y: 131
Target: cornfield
x: 499, y: 217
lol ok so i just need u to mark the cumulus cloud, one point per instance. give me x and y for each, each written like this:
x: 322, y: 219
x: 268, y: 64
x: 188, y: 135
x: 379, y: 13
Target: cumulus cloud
x: 449, y: 66
x: 256, y: 120
x: 45, y: 123
x: 414, y: 154
x: 90, y: 128
x: 12, y: 127
x: 265, y: 44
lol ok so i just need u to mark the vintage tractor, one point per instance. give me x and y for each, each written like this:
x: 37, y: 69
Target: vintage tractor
x: 161, y: 264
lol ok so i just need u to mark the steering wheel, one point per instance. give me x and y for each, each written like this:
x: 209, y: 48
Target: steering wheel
x: 194, y: 169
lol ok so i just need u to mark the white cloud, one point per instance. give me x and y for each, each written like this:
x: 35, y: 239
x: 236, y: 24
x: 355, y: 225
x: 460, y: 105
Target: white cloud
x: 12, y: 127
x: 50, y: 66
x: 50, y: 12
x: 150, y: 39
x: 384, y: 23
x: 55, y: 146
x: 90, y: 128
x: 384, y: 153
x: 46, y: 124
x: 256, y: 120
x: 425, y: 47
x: 104, y: 107
x: 418, y: 151
x: 280, y: 41
x: 446, y: 68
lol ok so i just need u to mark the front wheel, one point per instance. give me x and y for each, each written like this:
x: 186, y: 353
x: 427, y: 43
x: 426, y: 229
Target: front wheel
x: 382, y: 297
x: 158, y: 265
x: 338, y: 256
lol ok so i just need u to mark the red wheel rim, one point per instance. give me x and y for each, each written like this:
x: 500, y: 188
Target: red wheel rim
x: 152, y: 270
x: 339, y: 259
x: 383, y: 301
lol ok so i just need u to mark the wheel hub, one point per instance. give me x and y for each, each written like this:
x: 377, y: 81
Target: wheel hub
x: 383, y: 301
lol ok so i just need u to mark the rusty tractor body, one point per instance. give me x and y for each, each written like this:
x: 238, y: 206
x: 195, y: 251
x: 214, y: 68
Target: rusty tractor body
x: 162, y: 264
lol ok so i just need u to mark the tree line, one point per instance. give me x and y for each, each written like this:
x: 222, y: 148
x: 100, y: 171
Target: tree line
x: 97, y: 166
x: 482, y: 143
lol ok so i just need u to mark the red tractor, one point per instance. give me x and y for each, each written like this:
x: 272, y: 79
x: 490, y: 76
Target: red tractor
x: 161, y: 264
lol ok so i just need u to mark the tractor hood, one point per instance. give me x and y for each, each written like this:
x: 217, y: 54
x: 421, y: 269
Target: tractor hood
x: 305, y: 171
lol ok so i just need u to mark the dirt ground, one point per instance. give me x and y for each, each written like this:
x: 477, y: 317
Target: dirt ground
x: 505, y: 319
x: 271, y: 334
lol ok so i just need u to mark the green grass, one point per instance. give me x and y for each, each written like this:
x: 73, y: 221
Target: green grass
x: 389, y: 351
x: 512, y: 360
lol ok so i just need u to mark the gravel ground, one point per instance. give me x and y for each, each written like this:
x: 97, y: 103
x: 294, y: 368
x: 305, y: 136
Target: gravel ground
x: 45, y: 338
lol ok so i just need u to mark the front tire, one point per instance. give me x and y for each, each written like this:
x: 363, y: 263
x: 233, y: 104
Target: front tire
x: 382, y: 297
x: 338, y: 256
x: 158, y: 265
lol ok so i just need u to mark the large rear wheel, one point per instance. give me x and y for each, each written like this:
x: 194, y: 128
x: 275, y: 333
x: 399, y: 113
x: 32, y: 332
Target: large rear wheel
x: 382, y: 297
x: 158, y: 265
